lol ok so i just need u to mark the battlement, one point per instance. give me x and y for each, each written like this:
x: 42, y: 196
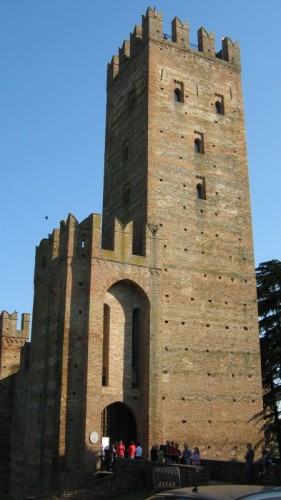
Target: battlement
x: 8, y: 325
x: 83, y: 240
x: 152, y: 28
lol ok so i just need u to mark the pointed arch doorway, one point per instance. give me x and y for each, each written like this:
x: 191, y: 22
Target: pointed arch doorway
x: 118, y: 422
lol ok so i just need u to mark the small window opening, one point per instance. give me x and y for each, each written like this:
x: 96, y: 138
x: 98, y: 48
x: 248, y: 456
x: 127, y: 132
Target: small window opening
x: 127, y: 194
x: 177, y: 95
x: 219, y: 104
x: 197, y: 145
x: 178, y: 91
x: 201, y: 189
x: 199, y: 142
x: 218, y: 108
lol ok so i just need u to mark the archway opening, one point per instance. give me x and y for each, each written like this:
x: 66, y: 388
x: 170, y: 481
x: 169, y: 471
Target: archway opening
x: 118, y: 422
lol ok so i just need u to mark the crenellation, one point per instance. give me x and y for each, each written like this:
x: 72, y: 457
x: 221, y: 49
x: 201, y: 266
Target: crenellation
x: 180, y: 33
x: 112, y: 69
x: 95, y: 221
x: 11, y: 341
x: 152, y: 28
x: 120, y: 241
x: 8, y: 325
x: 231, y: 52
x: 86, y: 236
x: 124, y: 53
x: 55, y: 243
x: 206, y: 42
x: 152, y: 25
x: 136, y: 39
x: 25, y: 322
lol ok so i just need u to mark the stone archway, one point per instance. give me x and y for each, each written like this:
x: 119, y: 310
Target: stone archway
x: 118, y: 422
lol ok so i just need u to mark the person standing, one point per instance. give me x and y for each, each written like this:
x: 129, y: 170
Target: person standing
x: 249, y: 460
x: 264, y: 461
x: 161, y: 454
x: 120, y: 449
x: 177, y: 455
x: 131, y: 450
x: 138, y: 453
x: 186, y: 455
x: 171, y: 454
x: 154, y: 453
x: 195, y: 457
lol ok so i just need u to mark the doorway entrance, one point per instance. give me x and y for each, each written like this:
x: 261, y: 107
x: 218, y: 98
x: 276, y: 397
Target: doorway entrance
x: 119, y: 423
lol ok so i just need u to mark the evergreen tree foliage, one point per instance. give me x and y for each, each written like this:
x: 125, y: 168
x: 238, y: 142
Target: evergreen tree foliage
x: 268, y: 276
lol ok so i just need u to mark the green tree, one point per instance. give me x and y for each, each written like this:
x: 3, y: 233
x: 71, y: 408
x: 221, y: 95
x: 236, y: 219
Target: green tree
x: 268, y: 276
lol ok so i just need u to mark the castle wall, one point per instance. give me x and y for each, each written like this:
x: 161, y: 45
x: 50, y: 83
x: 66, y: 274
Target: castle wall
x: 74, y: 280
x: 161, y: 315
x: 12, y: 342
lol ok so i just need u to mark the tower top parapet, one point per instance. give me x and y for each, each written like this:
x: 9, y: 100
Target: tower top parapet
x: 152, y: 28
x: 82, y: 240
x: 8, y: 325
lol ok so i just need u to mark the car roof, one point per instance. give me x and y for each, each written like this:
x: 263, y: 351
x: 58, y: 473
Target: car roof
x: 221, y: 492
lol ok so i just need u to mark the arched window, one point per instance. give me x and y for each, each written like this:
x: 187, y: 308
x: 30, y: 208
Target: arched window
x: 178, y: 95
x: 198, y: 142
x: 201, y: 189
x: 218, y: 106
x: 135, y: 347
x: 197, y: 146
x: 105, y: 346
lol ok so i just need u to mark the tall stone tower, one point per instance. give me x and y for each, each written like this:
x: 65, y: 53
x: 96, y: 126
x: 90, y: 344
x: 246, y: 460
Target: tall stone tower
x: 150, y: 332
x: 175, y: 158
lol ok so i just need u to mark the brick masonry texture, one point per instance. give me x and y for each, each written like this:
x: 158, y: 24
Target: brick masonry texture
x: 159, y: 314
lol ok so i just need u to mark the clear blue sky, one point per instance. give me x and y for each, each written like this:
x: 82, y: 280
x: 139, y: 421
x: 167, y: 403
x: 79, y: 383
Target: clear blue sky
x: 52, y: 119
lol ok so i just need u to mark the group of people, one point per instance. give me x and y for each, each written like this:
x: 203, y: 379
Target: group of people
x: 118, y: 450
x: 170, y: 453
x: 133, y: 450
x: 263, y: 462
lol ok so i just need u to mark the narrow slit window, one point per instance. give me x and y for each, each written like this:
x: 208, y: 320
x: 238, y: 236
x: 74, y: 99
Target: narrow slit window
x: 127, y: 194
x: 105, y: 347
x: 201, y: 188
x: 219, y: 104
x: 177, y: 95
x: 135, y: 347
x: 178, y: 91
x: 198, y: 142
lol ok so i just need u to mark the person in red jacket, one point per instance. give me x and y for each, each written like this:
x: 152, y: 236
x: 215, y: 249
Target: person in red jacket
x: 131, y: 450
x: 120, y: 449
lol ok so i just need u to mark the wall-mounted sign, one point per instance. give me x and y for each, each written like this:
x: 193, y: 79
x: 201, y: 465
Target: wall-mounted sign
x: 94, y: 437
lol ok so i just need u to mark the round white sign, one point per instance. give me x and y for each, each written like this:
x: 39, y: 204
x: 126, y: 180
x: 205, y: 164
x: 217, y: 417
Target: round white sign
x: 94, y: 437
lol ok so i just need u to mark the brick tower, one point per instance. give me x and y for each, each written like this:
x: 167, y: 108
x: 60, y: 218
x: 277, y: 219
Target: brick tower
x: 176, y: 159
x: 150, y: 332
